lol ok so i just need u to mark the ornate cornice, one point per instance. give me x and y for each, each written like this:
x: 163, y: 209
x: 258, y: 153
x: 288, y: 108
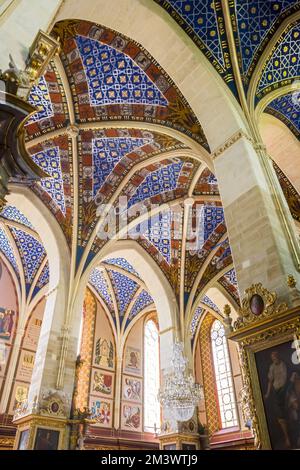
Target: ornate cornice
x: 230, y: 142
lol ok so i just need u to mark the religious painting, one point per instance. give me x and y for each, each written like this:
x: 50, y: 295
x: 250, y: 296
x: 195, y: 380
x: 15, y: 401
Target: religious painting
x: 46, y: 439
x: 23, y: 441
x: 25, y: 367
x: 132, y: 389
x: 102, y: 410
x: 188, y: 446
x: 33, y: 331
x: 6, y: 323
x: 170, y: 447
x: 278, y: 370
x: 4, y: 353
x: 20, y: 394
x: 104, y: 353
x: 102, y: 383
x: 131, y: 417
x: 133, y: 360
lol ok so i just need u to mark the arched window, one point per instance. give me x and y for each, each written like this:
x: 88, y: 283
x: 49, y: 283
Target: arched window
x: 151, y: 377
x: 223, y: 374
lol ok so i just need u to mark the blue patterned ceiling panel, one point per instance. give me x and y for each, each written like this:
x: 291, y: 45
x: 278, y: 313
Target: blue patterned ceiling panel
x: 124, y: 289
x: 31, y: 251
x: 231, y: 277
x: 287, y: 108
x: 213, y: 216
x: 207, y: 301
x: 284, y: 63
x: 107, y: 153
x: 99, y: 283
x: 12, y: 213
x: 49, y: 161
x: 113, y: 77
x: 207, y: 219
x: 157, y: 182
x: 39, y: 97
x: 43, y: 280
x: 7, y: 250
x: 195, y: 320
x: 159, y: 234
x: 144, y: 299
x: 255, y: 18
x: 202, y: 17
x: 122, y: 263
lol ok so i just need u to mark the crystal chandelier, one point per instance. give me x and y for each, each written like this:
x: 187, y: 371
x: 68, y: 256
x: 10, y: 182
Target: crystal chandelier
x: 180, y: 394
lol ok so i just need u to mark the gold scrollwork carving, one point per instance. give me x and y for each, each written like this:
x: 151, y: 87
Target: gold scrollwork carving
x: 267, y: 300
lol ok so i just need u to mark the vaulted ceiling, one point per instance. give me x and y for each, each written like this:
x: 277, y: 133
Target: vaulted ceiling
x: 111, y: 123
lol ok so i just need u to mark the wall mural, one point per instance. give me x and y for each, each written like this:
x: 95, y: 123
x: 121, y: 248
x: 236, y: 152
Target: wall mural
x: 102, y: 411
x: 133, y: 360
x: 104, y: 353
x: 131, y: 417
x: 279, y: 376
x: 6, y: 323
x: 102, y: 383
x: 132, y: 389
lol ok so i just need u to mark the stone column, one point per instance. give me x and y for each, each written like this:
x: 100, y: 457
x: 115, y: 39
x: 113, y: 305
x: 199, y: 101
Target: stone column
x: 260, y: 227
x: 48, y: 406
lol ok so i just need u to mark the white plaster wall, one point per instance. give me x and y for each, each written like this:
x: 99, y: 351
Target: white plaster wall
x: 19, y: 25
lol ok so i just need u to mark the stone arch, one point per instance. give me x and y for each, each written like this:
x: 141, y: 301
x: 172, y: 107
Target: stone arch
x: 207, y: 94
x: 157, y: 284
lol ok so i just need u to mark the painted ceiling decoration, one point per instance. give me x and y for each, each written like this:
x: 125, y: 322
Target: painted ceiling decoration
x: 257, y: 20
x: 98, y: 281
x: 43, y: 280
x: 287, y: 109
x: 229, y: 282
x: 152, y: 144
x: 251, y: 24
x: 13, y: 214
x: 291, y: 194
x: 7, y: 250
x: 204, y: 23
x: 19, y: 244
x: 55, y: 158
x: 121, y: 263
x: 158, y: 234
x: 143, y: 300
x: 49, y: 160
x: 48, y: 96
x: 113, y: 77
x: 207, y: 301
x: 124, y: 288
x: 108, y: 78
x: 106, y: 155
x: 102, y: 92
x: 195, y: 322
x: 40, y: 98
x: 157, y: 182
x: 207, y: 183
x: 32, y: 254
x: 283, y: 66
x: 195, y: 258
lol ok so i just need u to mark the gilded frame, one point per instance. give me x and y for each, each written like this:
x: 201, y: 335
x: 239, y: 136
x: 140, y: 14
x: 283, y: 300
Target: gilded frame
x: 263, y: 338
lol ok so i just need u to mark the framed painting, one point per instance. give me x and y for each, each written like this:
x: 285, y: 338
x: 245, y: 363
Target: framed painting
x: 6, y: 323
x: 131, y: 417
x: 102, y: 411
x: 102, y: 383
x: 46, y: 439
x: 133, y: 361
x: 23, y: 439
x: 132, y: 389
x: 104, y: 353
x: 278, y: 373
